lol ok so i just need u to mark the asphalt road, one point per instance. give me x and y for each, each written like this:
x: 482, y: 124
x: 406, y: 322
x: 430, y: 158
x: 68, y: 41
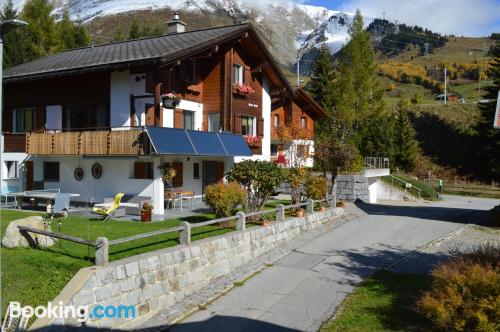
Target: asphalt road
x: 303, y: 288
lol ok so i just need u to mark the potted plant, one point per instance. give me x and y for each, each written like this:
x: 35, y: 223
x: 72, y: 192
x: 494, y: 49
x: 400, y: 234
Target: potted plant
x: 168, y: 172
x: 252, y: 140
x: 169, y: 100
x: 243, y: 89
x: 299, y: 212
x: 146, y: 212
x: 322, y: 208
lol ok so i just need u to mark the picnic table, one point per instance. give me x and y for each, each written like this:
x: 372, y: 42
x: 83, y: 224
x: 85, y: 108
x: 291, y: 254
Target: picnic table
x: 48, y: 194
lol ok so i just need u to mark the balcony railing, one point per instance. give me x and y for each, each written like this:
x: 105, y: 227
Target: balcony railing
x: 13, y: 142
x: 98, y: 142
x: 376, y: 162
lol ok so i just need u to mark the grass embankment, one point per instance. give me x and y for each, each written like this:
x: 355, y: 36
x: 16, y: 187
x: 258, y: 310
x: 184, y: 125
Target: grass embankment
x: 35, y: 276
x: 384, y: 302
x: 426, y: 192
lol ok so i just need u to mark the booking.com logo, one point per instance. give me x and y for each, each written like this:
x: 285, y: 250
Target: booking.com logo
x: 80, y: 313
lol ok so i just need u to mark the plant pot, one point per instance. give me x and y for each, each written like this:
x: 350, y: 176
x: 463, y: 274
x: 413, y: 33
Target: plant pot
x: 146, y: 215
x: 265, y: 222
x: 299, y: 213
x: 321, y: 209
x: 169, y: 103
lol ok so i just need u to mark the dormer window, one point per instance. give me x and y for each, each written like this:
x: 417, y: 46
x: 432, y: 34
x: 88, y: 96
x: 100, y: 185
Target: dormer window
x: 238, y: 74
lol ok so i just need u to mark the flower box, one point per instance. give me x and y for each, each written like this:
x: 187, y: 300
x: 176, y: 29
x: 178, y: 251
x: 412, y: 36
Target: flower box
x: 252, y: 140
x: 169, y: 100
x: 243, y: 89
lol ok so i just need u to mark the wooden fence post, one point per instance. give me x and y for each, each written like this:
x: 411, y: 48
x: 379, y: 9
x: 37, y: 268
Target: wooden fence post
x: 310, y: 206
x: 185, y: 236
x: 101, y: 251
x: 241, y: 221
x: 280, y: 214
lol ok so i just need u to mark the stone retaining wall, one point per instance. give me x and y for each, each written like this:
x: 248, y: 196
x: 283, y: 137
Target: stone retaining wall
x: 352, y: 187
x: 159, y: 279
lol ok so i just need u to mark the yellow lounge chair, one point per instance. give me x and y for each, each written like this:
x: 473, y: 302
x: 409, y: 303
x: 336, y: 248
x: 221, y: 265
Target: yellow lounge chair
x: 108, y: 213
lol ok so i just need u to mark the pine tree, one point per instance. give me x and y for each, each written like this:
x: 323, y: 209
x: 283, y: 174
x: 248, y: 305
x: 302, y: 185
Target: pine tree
x: 134, y: 30
x: 14, y: 42
x: 119, y: 34
x: 323, y: 77
x: 406, y: 145
x: 66, y: 32
x: 41, y: 29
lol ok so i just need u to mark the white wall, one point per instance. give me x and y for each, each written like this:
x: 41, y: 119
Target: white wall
x: 119, y: 99
x: 12, y: 185
x: 373, y: 190
x: 192, y: 106
x: 53, y: 118
x: 168, y: 117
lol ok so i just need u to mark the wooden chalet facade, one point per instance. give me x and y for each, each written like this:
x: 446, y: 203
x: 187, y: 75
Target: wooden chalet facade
x: 94, y: 105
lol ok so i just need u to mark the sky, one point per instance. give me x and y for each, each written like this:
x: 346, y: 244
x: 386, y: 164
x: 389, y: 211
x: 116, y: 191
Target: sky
x: 459, y: 17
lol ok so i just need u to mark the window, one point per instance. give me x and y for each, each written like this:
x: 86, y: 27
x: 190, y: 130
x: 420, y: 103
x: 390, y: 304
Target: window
x: 11, y: 169
x: 190, y: 71
x: 303, y: 151
x: 248, y: 125
x: 23, y: 120
x: 188, y: 120
x: 303, y: 122
x: 86, y: 116
x: 143, y: 170
x: 274, y: 150
x: 276, y: 120
x: 196, y: 170
x: 214, y: 122
x: 51, y: 171
x: 238, y: 74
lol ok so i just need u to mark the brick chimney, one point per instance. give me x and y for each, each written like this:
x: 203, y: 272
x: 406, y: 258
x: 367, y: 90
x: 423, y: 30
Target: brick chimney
x: 176, y: 25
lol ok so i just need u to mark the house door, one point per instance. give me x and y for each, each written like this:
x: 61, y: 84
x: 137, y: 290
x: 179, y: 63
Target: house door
x: 213, y: 172
x: 150, y: 114
x: 29, y: 174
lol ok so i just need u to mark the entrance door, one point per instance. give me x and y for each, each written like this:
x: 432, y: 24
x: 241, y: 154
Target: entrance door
x: 213, y: 172
x: 150, y: 114
x: 29, y: 175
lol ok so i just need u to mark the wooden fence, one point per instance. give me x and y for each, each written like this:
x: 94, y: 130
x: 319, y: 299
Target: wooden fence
x: 101, y: 244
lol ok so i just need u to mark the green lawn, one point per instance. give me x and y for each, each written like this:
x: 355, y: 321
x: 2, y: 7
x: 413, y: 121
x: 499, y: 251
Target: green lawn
x: 384, y: 302
x: 35, y: 276
x: 427, y: 192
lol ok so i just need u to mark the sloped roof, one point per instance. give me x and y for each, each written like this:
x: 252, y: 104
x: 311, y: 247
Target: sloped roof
x: 123, y: 54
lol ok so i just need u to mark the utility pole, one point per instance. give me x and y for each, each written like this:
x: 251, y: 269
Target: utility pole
x: 445, y: 85
x: 298, y: 72
x: 426, y: 49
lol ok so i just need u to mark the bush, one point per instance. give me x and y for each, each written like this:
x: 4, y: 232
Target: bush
x: 316, y: 187
x: 465, y: 294
x: 224, y: 197
x: 296, y: 176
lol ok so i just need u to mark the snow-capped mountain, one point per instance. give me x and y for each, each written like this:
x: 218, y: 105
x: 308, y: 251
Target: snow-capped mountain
x: 290, y: 29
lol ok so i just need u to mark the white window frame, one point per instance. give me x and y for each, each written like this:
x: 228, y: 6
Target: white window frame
x: 192, y: 114
x: 303, y: 122
x: 276, y: 120
x: 15, y: 164
x: 238, y: 74
x: 210, y: 125
x: 254, y: 125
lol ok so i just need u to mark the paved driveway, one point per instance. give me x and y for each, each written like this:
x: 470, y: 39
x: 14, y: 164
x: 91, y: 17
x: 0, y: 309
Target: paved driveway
x: 303, y: 288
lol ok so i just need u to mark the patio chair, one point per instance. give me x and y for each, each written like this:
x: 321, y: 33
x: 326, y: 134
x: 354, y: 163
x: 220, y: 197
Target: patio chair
x: 173, y: 199
x: 60, y: 210
x: 109, y: 212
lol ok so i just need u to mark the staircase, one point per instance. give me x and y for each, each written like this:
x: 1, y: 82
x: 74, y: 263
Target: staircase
x: 402, y: 185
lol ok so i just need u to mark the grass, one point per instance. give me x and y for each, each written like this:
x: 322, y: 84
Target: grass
x: 384, y: 302
x: 426, y: 192
x: 35, y: 276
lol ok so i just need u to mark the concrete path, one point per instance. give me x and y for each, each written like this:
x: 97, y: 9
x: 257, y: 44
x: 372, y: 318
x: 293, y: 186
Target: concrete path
x: 303, y: 288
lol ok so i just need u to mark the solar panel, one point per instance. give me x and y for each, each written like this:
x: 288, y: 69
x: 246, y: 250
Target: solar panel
x: 206, y: 143
x: 170, y: 141
x: 235, y: 145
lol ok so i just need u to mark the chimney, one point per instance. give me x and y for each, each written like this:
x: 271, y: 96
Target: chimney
x: 176, y: 25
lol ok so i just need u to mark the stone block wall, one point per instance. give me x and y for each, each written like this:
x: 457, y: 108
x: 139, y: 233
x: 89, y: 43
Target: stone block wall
x: 159, y: 279
x: 352, y: 187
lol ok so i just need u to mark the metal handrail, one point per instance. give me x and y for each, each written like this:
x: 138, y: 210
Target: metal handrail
x: 376, y: 162
x: 407, y: 186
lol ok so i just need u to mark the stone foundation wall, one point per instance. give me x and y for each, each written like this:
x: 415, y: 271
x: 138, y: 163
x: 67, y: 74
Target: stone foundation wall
x: 352, y: 187
x: 159, y: 279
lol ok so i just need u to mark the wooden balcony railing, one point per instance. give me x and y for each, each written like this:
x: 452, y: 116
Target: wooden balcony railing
x: 101, y: 142
x: 14, y: 142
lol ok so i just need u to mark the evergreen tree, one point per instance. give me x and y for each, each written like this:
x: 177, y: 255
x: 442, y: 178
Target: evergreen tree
x: 377, y: 137
x: 41, y: 29
x: 406, y: 145
x: 119, y: 34
x: 134, y: 30
x: 70, y: 35
x: 323, y: 77
x: 14, y: 42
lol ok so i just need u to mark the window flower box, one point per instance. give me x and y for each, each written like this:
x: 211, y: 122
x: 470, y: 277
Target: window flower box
x: 252, y: 140
x: 243, y: 89
x: 169, y: 100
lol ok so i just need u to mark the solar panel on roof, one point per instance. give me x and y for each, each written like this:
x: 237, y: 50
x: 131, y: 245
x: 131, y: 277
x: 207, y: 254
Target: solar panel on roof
x: 170, y: 141
x: 206, y: 143
x: 235, y: 145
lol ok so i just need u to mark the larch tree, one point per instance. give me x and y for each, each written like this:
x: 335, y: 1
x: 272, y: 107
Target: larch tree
x: 406, y: 145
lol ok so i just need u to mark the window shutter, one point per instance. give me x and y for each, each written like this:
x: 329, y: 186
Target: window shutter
x: 178, y: 118
x: 247, y: 75
x: 219, y: 171
x: 177, y: 179
x: 260, y: 127
x: 139, y: 170
x: 237, y: 124
x: 39, y: 118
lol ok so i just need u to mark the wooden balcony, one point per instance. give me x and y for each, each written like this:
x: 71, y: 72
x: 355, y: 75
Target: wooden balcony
x: 14, y: 142
x: 103, y: 142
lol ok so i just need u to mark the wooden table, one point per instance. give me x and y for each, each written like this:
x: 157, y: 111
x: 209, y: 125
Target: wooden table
x: 181, y: 194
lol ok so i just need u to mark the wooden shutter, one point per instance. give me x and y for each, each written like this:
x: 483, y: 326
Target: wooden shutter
x: 139, y: 170
x: 219, y: 171
x: 7, y: 120
x: 177, y: 179
x: 247, y: 75
x: 260, y: 127
x: 237, y: 124
x: 39, y: 118
x: 150, y: 114
x: 178, y: 118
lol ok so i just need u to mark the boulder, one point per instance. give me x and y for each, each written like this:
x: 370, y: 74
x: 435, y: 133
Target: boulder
x: 13, y: 237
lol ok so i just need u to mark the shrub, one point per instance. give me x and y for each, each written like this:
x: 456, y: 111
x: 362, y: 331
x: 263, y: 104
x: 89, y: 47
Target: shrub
x: 316, y: 187
x: 296, y: 176
x: 224, y: 197
x: 259, y: 178
x: 465, y: 294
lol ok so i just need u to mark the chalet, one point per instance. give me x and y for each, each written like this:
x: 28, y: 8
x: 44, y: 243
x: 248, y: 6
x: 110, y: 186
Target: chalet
x: 111, y: 118
x: 292, y: 129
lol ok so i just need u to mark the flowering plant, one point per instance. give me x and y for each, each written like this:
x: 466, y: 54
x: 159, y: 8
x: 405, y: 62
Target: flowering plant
x: 243, y: 89
x: 169, y: 96
x: 168, y: 172
x: 252, y: 140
